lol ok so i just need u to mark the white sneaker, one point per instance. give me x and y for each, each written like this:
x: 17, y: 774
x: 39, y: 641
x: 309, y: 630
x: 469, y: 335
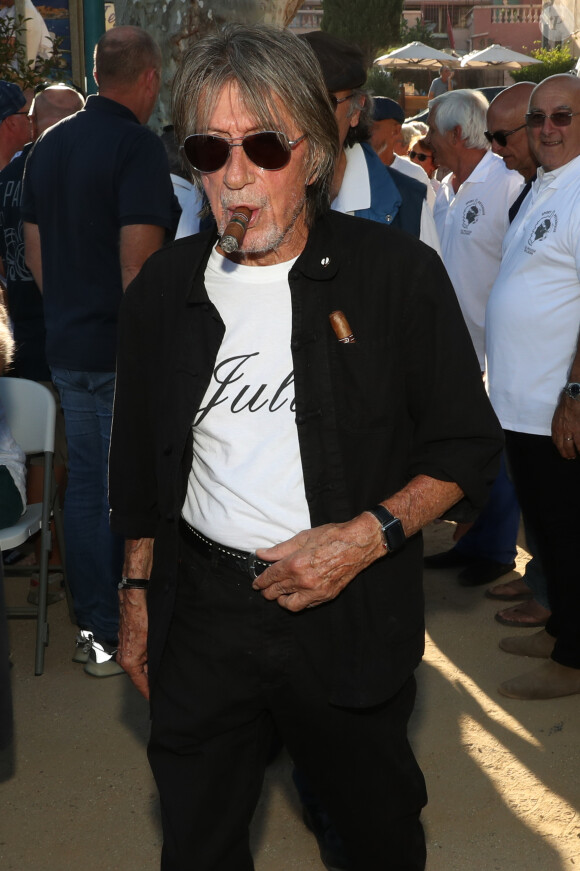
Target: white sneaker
x: 101, y: 661
x: 84, y: 642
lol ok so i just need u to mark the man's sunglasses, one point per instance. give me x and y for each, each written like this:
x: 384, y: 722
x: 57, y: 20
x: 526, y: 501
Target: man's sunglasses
x: 335, y: 100
x: 558, y: 119
x: 419, y: 155
x: 501, y: 136
x: 268, y: 150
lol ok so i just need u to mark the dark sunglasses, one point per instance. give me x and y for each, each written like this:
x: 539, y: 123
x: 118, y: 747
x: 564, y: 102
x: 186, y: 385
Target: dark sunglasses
x: 335, y: 101
x: 558, y: 119
x: 501, y: 136
x: 268, y: 150
x: 419, y: 155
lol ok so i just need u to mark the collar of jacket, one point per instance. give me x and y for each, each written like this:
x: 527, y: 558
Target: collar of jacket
x: 320, y: 259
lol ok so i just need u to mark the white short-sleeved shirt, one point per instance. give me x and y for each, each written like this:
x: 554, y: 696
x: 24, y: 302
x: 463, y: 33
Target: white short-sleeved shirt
x: 355, y: 193
x: 471, y: 225
x: 533, y: 315
x: 413, y: 170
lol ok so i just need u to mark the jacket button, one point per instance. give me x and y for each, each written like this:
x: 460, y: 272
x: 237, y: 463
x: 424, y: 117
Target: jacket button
x: 388, y: 218
x: 167, y: 450
x: 170, y: 517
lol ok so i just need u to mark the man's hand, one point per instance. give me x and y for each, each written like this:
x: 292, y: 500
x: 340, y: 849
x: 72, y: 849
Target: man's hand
x: 132, y: 650
x: 566, y: 427
x: 315, y: 565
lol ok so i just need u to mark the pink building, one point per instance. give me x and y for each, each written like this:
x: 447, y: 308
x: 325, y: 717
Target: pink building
x: 479, y: 24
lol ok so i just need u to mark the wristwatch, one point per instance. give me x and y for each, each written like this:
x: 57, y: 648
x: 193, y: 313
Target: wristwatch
x: 572, y: 389
x: 391, y: 527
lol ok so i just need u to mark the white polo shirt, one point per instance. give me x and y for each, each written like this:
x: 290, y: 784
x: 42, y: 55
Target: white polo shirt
x: 533, y: 314
x: 471, y: 225
x: 355, y: 193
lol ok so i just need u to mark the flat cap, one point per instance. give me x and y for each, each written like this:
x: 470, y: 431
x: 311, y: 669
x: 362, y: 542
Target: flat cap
x: 342, y: 63
x: 11, y: 99
x: 385, y: 108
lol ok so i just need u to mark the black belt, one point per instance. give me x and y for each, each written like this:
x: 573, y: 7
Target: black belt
x: 242, y: 560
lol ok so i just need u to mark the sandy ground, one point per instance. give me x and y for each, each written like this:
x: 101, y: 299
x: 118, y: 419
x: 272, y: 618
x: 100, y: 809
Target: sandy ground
x: 503, y: 776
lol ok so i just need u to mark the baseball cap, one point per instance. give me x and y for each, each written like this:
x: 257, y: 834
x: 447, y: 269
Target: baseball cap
x: 385, y: 108
x: 11, y: 99
x: 342, y: 63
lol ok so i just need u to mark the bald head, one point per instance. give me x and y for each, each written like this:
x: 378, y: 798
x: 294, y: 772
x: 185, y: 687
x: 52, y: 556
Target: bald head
x: 52, y: 105
x: 555, y: 141
x: 507, y: 115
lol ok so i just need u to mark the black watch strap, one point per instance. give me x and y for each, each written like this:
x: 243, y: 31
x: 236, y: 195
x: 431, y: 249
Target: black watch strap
x: 391, y: 527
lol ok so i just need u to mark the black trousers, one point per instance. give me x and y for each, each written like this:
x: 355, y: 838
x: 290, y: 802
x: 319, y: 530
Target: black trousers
x: 235, y: 668
x: 548, y: 489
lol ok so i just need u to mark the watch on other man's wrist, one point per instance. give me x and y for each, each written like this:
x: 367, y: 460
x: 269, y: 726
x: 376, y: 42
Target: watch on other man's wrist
x: 391, y: 528
x: 133, y: 584
x: 572, y: 389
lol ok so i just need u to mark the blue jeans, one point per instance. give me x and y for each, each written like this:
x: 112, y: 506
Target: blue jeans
x: 94, y: 556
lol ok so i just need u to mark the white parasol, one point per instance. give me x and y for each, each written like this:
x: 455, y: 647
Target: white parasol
x: 416, y: 55
x: 498, y: 57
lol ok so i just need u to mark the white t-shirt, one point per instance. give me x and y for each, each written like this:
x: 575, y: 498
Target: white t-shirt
x: 246, y: 487
x: 533, y: 314
x: 355, y: 193
x: 190, y: 202
x: 471, y: 225
x: 38, y: 38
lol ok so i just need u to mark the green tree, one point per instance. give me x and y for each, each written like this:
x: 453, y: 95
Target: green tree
x: 554, y: 61
x: 366, y: 23
x: 382, y: 84
x: 419, y: 32
x: 14, y: 65
x: 177, y: 24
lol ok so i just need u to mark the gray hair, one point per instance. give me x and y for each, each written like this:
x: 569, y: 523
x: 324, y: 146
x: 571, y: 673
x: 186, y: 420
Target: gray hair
x: 122, y: 54
x: 463, y: 108
x: 362, y: 101
x: 276, y: 73
x: 410, y: 131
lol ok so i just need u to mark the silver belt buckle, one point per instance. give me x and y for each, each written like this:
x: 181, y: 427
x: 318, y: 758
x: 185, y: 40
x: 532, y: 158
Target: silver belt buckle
x: 252, y: 565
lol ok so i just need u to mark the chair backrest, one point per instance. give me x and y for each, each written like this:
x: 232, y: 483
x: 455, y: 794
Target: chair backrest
x: 30, y: 412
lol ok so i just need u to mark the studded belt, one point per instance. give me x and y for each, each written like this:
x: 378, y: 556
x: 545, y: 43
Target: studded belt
x: 242, y: 560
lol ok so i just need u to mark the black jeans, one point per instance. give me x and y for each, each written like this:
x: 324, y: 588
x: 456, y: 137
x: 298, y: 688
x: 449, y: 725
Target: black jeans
x: 548, y: 489
x: 235, y: 668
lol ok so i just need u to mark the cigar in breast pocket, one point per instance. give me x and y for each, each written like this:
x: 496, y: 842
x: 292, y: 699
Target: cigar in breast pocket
x: 341, y: 327
x: 236, y: 230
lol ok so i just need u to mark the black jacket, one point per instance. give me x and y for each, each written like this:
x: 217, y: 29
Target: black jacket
x: 406, y: 399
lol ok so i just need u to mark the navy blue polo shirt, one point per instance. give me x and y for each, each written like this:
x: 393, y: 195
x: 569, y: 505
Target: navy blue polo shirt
x: 87, y: 177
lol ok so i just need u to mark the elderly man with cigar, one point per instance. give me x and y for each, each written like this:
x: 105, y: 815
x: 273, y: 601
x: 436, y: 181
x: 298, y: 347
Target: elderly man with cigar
x: 272, y: 466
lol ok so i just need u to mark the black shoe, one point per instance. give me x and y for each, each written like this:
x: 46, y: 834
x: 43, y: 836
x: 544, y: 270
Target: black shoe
x: 449, y: 559
x: 483, y: 572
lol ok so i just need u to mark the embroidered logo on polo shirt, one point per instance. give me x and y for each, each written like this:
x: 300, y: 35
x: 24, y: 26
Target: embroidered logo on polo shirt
x: 545, y: 225
x: 472, y: 212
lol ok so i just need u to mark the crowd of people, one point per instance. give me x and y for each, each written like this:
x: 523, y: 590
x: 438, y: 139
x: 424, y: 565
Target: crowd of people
x: 252, y: 440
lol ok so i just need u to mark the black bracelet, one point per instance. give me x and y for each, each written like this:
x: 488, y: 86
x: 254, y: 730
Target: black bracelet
x: 133, y: 584
x: 391, y: 527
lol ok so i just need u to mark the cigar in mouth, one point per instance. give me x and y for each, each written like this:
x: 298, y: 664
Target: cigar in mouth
x: 236, y: 230
x: 341, y: 327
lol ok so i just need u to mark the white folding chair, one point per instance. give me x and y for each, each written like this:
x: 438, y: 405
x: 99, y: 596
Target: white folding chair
x: 31, y: 412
